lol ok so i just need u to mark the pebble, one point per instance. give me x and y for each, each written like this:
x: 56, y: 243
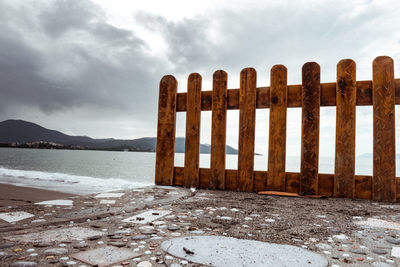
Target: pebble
x: 55, y: 251
x: 379, y: 251
x: 358, y: 251
x: 5, y: 255
x: 30, y: 250
x: 168, y: 257
x: 71, y: 262
x: 6, y: 245
x: 81, y: 245
x: 94, y: 237
x: 393, y: 241
x: 42, y: 244
x: 24, y: 264
x: 173, y: 227
x: 100, y: 242
x: 117, y: 244
x: 175, y: 265
x: 144, y: 264
x: 64, y: 258
x: 139, y: 237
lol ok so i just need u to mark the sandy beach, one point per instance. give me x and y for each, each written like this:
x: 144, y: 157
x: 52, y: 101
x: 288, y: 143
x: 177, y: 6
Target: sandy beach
x: 17, y: 195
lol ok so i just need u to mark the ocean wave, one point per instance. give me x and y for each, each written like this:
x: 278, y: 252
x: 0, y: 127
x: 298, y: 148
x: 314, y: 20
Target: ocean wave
x: 65, y: 182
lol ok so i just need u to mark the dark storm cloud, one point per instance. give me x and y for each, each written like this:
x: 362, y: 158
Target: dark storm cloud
x: 62, y: 54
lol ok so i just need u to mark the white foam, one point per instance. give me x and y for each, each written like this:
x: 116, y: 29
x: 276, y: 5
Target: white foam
x: 109, y: 195
x: 65, y: 182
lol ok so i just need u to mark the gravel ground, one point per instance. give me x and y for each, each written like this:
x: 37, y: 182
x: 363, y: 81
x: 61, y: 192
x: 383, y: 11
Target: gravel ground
x: 346, y: 232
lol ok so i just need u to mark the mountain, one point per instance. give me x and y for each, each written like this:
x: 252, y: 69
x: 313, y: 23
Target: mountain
x: 19, y: 131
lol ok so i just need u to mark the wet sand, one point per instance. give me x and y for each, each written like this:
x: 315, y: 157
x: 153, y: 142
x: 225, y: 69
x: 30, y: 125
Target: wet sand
x: 11, y: 195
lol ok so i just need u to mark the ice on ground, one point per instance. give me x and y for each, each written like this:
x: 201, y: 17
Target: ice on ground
x: 109, y: 195
x: 60, y: 234
x: 56, y: 202
x: 15, y: 216
x: 228, y: 251
x: 105, y: 256
x: 147, y: 216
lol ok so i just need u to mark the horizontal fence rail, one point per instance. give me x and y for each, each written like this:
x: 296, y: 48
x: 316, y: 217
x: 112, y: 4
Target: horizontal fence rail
x: 382, y: 92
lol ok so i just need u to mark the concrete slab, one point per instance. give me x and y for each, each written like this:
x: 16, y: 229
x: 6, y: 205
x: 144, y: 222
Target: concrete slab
x: 57, y: 202
x: 15, y: 216
x: 105, y: 256
x: 377, y: 223
x: 228, y: 251
x: 147, y: 216
x: 60, y: 234
x: 109, y: 195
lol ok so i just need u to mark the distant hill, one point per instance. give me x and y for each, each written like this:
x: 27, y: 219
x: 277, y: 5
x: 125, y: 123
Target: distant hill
x: 19, y: 131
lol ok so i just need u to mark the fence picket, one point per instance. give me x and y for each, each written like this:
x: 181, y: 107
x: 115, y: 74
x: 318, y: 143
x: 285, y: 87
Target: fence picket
x: 345, y: 148
x: 384, y: 170
x: 277, y: 129
x: 247, y: 123
x: 192, y: 139
x: 218, y: 130
x: 165, y: 148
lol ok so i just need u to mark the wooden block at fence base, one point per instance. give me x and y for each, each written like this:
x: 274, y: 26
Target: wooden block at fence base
x: 218, y: 130
x: 247, y: 124
x: 231, y: 180
x: 277, y: 129
x: 179, y: 176
x: 192, y: 139
x: 345, y: 148
x: 205, y: 175
x: 384, y: 170
x: 260, y: 181
x: 310, y: 129
x: 166, y: 131
x: 325, y: 184
x: 363, y: 187
x: 292, y: 182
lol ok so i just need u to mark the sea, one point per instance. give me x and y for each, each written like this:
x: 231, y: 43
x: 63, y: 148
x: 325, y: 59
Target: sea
x: 85, y: 172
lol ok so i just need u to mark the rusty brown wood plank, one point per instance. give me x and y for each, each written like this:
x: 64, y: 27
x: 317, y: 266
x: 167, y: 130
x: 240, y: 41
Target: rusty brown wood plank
x: 205, y: 175
x: 325, y: 184
x: 179, y: 178
x: 192, y: 139
x: 293, y: 182
x: 345, y: 148
x: 260, y: 181
x: 218, y: 130
x: 247, y: 123
x: 384, y: 168
x: 277, y: 129
x: 231, y: 180
x: 328, y: 96
x: 363, y: 187
x: 310, y: 129
x: 165, y: 148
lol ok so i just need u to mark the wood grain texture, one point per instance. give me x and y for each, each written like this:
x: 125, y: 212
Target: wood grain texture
x: 165, y: 148
x: 310, y: 129
x: 328, y: 96
x: 277, y: 129
x: 192, y: 139
x: 247, y: 123
x: 345, y: 148
x: 218, y: 130
x: 383, y: 95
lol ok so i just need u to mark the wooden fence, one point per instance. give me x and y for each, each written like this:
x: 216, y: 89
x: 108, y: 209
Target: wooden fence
x: 383, y: 92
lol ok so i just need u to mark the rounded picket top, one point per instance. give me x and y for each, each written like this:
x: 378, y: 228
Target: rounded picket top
x: 348, y: 62
x: 220, y: 75
x: 383, y: 61
x: 248, y: 72
x: 278, y: 68
x: 194, y: 76
x: 311, y: 66
x: 167, y: 81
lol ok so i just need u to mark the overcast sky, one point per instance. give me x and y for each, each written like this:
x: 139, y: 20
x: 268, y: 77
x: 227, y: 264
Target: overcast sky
x: 92, y: 67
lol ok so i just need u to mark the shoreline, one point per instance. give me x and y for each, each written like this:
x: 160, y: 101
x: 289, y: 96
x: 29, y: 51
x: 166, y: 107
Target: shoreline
x: 12, y: 195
